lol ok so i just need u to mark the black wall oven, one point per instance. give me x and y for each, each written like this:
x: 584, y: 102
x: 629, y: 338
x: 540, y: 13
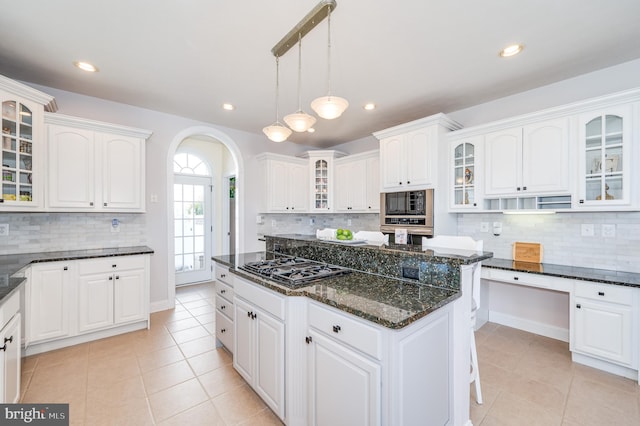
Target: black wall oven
x: 410, y: 210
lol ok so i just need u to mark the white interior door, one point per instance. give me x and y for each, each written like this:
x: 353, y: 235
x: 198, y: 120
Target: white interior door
x: 192, y: 228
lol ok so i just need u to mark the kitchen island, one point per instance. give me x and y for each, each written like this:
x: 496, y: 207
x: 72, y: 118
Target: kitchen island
x: 368, y: 347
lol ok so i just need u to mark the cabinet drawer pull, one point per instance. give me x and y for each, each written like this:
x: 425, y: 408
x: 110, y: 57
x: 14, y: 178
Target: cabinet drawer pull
x: 601, y: 293
x: 4, y: 348
x: 579, y: 306
x: 222, y: 275
x: 308, y: 339
x: 117, y: 277
x: 336, y: 328
x: 223, y: 307
x: 91, y: 204
x: 223, y: 291
x: 114, y: 266
x: 10, y: 339
x: 66, y: 268
x: 516, y: 278
x: 111, y: 278
x: 524, y: 188
x: 223, y: 330
x: 518, y: 189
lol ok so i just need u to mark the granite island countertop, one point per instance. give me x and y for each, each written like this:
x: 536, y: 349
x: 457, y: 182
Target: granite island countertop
x: 392, y: 303
x: 629, y: 279
x: 10, y: 265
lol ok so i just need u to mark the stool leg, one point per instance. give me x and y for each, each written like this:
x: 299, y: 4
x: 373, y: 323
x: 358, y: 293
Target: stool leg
x: 475, y: 372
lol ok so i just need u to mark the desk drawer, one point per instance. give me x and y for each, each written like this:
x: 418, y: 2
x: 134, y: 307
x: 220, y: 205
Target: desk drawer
x: 604, y: 292
x: 345, y: 329
x: 522, y: 278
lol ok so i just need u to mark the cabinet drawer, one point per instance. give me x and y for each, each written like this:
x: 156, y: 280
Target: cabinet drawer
x: 107, y: 264
x: 9, y: 308
x: 224, y: 306
x: 522, y: 278
x: 222, y: 274
x: 347, y: 330
x: 224, y: 291
x: 268, y: 300
x: 604, y: 292
x: 224, y: 331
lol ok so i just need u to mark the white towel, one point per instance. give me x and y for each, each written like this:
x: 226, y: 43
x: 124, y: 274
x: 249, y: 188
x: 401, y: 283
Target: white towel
x: 326, y: 234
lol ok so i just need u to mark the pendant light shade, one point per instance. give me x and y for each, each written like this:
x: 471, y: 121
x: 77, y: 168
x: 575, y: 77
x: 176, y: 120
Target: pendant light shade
x: 277, y: 132
x: 299, y: 121
x: 329, y: 107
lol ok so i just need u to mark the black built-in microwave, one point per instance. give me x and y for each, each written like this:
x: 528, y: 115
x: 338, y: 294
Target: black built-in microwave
x: 411, y: 210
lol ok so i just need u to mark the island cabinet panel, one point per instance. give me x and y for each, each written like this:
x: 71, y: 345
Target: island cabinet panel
x: 259, y: 342
x: 344, y: 386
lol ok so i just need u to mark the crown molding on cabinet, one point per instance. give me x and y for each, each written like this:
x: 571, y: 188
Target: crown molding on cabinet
x: 439, y: 118
x: 29, y: 93
x: 83, y: 123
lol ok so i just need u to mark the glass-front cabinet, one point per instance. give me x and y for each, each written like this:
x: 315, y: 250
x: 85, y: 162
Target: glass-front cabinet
x: 321, y: 176
x: 605, y: 138
x: 320, y: 185
x: 465, y: 158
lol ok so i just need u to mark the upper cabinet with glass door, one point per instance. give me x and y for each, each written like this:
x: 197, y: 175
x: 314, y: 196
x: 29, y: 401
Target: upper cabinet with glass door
x: 606, y: 148
x: 321, y: 169
x: 466, y: 158
x: 22, y: 146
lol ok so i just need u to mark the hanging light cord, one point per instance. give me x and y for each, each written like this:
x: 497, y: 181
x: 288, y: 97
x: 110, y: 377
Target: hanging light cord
x: 299, y: 71
x: 329, y: 51
x: 277, y: 86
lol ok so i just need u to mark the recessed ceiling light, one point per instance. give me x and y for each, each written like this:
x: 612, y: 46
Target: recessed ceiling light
x: 86, y: 66
x: 512, y: 50
x: 369, y: 106
x: 228, y: 107
x: 311, y: 130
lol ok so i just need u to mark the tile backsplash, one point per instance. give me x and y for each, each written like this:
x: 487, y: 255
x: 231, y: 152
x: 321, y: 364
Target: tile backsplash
x: 38, y: 232
x: 302, y: 223
x: 561, y: 237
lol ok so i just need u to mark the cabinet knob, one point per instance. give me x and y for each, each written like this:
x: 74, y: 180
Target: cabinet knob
x: 4, y: 348
x: 1, y: 200
x: 601, y: 293
x: 66, y: 268
x: 581, y: 201
x: 223, y: 307
x: 91, y: 204
x: 222, y: 275
x: 579, y: 306
x: 518, y: 189
x: 516, y: 278
x: 117, y: 277
x: 408, y: 182
x: 287, y: 208
x: 114, y: 266
x: 399, y: 183
x: 223, y: 330
x: 223, y: 291
x: 111, y: 278
x: 308, y: 339
x: 524, y: 188
x: 336, y: 328
x: 104, y: 204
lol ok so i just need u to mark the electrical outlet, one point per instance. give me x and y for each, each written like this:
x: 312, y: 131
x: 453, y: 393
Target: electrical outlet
x: 4, y: 230
x: 484, y: 227
x: 115, y: 225
x: 274, y: 224
x: 312, y: 221
x: 348, y: 222
x: 609, y: 231
x: 587, y: 230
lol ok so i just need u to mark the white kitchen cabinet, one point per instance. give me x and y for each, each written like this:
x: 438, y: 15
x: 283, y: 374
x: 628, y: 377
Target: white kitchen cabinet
x: 603, y: 322
x: 605, y: 162
x: 94, y: 166
x: 10, y: 352
x: 22, y: 152
x: 322, y: 179
x: 111, y: 291
x: 224, y: 307
x: 344, y: 386
x: 409, y: 153
x: 285, y: 184
x: 259, y: 342
x: 357, y: 183
x: 50, y: 301
x: 532, y: 159
x: 466, y: 174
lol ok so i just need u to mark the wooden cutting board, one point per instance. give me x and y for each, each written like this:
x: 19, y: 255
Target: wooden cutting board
x: 527, y: 252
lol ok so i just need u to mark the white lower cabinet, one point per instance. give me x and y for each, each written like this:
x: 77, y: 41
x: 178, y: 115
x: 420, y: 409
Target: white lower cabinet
x: 10, y: 353
x: 111, y: 291
x: 603, y: 323
x: 68, y: 301
x: 224, y: 307
x: 49, y: 301
x: 259, y: 342
x: 344, y: 386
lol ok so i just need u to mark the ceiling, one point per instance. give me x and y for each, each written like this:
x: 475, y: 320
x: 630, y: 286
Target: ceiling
x: 412, y: 58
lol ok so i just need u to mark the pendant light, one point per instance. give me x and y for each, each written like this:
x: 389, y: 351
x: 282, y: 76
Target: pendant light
x: 277, y: 132
x: 299, y: 121
x: 329, y: 107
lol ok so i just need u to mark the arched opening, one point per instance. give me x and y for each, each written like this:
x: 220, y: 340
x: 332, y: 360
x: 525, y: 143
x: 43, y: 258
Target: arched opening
x: 218, y: 152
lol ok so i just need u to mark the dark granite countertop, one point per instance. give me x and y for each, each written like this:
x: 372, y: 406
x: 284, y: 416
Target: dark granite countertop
x: 10, y: 265
x: 390, y: 302
x: 629, y: 279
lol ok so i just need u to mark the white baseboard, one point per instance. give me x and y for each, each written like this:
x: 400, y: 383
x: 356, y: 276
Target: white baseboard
x: 606, y: 366
x: 161, y: 305
x: 535, y: 327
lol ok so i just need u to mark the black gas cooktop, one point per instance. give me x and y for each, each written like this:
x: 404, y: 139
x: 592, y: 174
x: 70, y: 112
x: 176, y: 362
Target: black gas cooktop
x: 293, y: 271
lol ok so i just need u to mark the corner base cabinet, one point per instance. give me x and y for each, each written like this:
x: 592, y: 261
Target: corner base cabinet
x: 10, y: 353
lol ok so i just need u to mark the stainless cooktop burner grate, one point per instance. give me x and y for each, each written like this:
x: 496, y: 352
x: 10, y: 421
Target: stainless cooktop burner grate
x: 293, y: 271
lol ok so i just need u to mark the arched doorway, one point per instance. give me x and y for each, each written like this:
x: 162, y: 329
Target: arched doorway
x: 236, y: 159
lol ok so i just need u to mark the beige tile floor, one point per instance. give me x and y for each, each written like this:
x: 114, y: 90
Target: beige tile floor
x: 172, y: 374
x: 530, y: 380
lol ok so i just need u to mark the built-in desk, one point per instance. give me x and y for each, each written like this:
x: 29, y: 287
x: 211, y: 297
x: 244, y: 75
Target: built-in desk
x: 597, y: 311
